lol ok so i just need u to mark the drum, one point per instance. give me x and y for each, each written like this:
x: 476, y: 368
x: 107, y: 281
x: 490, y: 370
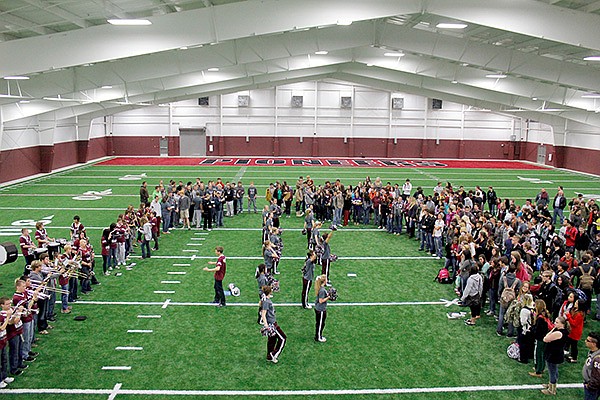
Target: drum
x: 39, y: 251
x: 8, y: 253
x: 53, y: 248
x: 62, y: 242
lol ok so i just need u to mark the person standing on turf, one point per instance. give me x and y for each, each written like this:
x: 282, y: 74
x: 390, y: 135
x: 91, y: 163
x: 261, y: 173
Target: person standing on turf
x: 252, y: 192
x: 308, y: 272
x: 276, y: 341
x: 325, y: 261
x: 591, y: 368
x: 320, y: 308
x: 219, y: 270
x: 27, y: 248
x: 144, y: 195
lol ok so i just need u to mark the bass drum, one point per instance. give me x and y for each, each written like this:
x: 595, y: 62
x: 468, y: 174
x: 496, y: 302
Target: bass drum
x: 8, y: 253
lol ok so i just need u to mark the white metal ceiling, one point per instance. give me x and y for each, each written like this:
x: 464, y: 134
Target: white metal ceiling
x: 69, y: 51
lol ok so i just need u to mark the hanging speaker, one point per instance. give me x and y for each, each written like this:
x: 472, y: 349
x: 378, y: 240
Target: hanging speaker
x: 8, y: 253
x: 436, y: 104
x: 203, y: 101
x: 297, y: 101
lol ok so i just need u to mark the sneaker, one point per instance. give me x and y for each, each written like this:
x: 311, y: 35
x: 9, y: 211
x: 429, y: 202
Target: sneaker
x: 534, y: 374
x: 273, y: 360
x: 469, y: 322
x: 51, y: 320
x: 3, y: 385
x: 308, y: 307
x: 23, y: 367
x: 33, y: 354
x: 50, y: 326
x: 29, y: 359
x: 67, y: 311
x: 499, y: 334
x: 489, y: 313
x: 277, y: 272
x: 110, y: 268
x: 107, y: 273
x: 9, y: 379
x: 322, y: 340
x: 17, y: 373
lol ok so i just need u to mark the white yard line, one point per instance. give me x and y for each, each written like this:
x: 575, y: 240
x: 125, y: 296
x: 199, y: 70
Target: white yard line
x: 129, y: 348
x: 304, y: 392
x: 441, y: 302
x: 150, y: 316
x: 239, y: 175
x: 140, y: 330
x: 176, y: 273
x: 115, y: 391
x: 166, y: 304
x: 116, y: 368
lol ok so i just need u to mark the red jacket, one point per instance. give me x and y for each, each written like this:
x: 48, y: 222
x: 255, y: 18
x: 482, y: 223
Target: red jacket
x: 576, y: 321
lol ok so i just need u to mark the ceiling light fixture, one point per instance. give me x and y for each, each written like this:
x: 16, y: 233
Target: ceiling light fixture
x: 321, y: 52
x: 344, y: 22
x: 213, y: 70
x: 393, y: 54
x: 590, y: 96
x: 591, y: 58
x: 16, y: 78
x: 183, y: 48
x: 451, y: 25
x: 106, y: 87
x: 24, y: 102
x: 495, y: 76
x: 369, y: 65
x: 129, y: 22
x: 455, y: 81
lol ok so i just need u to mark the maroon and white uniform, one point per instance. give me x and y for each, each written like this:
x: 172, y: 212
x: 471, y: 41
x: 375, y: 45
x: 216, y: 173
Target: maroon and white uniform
x: 3, y: 333
x: 23, y: 299
x: 41, y: 236
x: 76, y: 230
x: 25, y: 240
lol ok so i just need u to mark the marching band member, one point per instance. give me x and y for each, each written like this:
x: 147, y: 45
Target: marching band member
x: 320, y: 307
x: 21, y: 297
x: 41, y: 235
x: 87, y: 256
x: 308, y: 272
x: 5, y: 317
x: 50, y: 278
x: 14, y: 332
x: 27, y: 248
x: 37, y: 280
x: 70, y: 255
x: 120, y: 232
x: 277, y: 243
x: 76, y: 228
x: 276, y: 342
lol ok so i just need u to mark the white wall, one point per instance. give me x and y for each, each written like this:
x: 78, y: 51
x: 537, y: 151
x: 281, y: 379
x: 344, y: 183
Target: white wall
x: 271, y: 114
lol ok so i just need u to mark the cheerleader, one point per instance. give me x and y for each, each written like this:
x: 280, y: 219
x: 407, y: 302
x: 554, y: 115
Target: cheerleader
x: 277, y: 244
x: 325, y: 262
x: 261, y: 279
x: 320, y: 307
x: 308, y: 272
x: 270, y: 256
x: 276, y: 342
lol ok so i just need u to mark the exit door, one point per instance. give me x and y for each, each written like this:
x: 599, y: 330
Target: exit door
x: 541, y: 154
x: 164, y: 147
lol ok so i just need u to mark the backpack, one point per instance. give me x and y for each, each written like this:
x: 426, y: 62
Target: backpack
x: 508, y: 293
x: 443, y: 276
x: 586, y: 281
x: 513, y: 314
x: 513, y: 351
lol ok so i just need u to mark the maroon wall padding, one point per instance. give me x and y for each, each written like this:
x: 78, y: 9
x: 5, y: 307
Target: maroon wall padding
x: 136, y: 146
x: 46, y: 158
x: 82, y: 151
x: 291, y: 146
x: 97, y: 148
x: 174, y: 146
x: 19, y: 163
x: 65, y: 154
x: 578, y: 159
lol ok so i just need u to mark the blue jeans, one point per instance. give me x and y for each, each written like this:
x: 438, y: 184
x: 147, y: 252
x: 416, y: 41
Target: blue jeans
x: 240, y: 204
x: 397, y: 223
x: 4, y: 363
x: 499, y: 328
x: 589, y: 394
x: 73, y: 289
x: 389, y: 226
x: 51, y: 303
x: 439, y: 247
x: 366, y: 215
x: 337, y: 216
x: 493, y: 294
x: 558, y: 212
x: 64, y: 297
x: 16, y: 360
x: 251, y: 202
x: 146, y: 249
x: 553, y: 372
x: 219, y: 218
x: 27, y: 339
x: 166, y: 222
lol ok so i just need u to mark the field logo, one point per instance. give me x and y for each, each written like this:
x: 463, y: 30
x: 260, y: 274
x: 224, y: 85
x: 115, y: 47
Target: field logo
x: 24, y: 223
x: 133, y: 177
x: 93, y: 195
x: 533, y: 180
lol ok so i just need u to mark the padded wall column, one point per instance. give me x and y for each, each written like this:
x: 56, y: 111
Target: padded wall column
x: 82, y: 136
x: 315, y: 147
x: 351, y: 147
x: 389, y: 148
x: 47, y: 125
x: 276, y: 147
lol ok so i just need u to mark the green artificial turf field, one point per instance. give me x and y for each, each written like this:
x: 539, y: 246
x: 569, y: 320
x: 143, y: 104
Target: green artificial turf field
x: 388, y: 330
